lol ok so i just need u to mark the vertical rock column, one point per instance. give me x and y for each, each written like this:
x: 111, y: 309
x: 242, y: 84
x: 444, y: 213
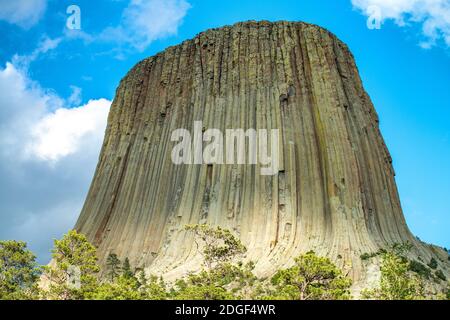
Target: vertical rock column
x: 334, y: 192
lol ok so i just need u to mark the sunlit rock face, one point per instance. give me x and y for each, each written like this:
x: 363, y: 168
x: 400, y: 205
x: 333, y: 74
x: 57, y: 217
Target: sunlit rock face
x: 333, y: 192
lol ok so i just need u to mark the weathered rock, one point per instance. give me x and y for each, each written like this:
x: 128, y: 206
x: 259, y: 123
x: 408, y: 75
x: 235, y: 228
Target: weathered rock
x: 334, y: 193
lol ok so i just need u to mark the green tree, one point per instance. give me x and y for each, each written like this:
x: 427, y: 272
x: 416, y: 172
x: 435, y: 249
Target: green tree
x: 131, y: 287
x: 154, y: 288
x: 311, y: 278
x: 397, y: 281
x: 224, y: 276
x: 224, y: 282
x: 72, y: 273
x: 126, y: 269
x: 19, y: 271
x: 219, y: 245
x: 113, y: 265
x: 121, y: 288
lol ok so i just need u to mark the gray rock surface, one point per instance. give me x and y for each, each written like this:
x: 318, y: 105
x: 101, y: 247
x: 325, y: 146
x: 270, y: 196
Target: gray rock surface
x: 334, y: 193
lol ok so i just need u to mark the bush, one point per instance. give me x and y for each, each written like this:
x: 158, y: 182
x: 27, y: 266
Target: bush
x: 433, y: 263
x: 439, y: 274
x: 219, y: 245
x: 419, y: 268
x: 366, y: 256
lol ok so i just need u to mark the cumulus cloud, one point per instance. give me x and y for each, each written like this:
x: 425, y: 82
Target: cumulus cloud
x: 48, y: 153
x: 24, y: 13
x: 67, y: 131
x: 22, y: 104
x: 49, y: 145
x: 433, y: 15
x: 145, y: 21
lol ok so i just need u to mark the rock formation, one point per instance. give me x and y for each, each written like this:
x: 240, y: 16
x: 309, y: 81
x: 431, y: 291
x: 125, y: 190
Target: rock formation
x: 334, y: 192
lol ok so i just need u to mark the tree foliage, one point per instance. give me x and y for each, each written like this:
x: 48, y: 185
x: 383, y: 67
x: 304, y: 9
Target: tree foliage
x: 72, y: 274
x: 397, y: 281
x: 18, y: 271
x: 126, y: 269
x: 311, y: 278
x: 132, y: 287
x: 223, y: 282
x: 113, y: 266
x: 224, y: 275
x: 219, y: 245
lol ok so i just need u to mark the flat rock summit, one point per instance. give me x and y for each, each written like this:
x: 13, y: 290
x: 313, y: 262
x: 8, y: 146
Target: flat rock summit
x: 334, y: 191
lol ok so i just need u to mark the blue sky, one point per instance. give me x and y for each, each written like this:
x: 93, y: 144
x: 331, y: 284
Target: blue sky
x: 56, y: 85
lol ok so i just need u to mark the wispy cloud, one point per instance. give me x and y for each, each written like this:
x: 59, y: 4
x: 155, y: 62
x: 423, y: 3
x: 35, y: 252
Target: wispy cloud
x: 141, y: 23
x: 75, y: 97
x: 146, y: 21
x: 24, y: 13
x: 45, y: 45
x: 432, y: 15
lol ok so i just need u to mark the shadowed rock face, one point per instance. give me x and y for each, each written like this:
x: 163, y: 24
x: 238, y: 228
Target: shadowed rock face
x: 334, y: 192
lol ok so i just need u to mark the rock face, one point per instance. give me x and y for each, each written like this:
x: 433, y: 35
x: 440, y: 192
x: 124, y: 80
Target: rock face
x: 334, y: 192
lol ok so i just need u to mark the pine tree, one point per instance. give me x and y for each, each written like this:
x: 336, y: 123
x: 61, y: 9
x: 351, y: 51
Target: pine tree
x: 114, y: 266
x: 73, y: 272
x: 311, y: 278
x: 126, y: 269
x: 19, y: 271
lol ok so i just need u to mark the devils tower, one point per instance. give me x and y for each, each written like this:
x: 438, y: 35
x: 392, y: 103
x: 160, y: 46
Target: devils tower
x: 334, y: 191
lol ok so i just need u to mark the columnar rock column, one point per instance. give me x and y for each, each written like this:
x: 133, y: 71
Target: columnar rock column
x: 334, y: 191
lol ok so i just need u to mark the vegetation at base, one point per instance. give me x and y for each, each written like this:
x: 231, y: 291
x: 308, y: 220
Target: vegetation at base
x: 224, y: 275
x: 18, y: 271
x: 396, y: 282
x: 74, y: 274
x: 113, y: 265
x: 126, y: 269
x: 403, y: 279
x: 311, y: 278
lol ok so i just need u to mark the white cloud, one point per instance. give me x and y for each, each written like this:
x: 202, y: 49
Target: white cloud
x: 67, y: 131
x: 24, y: 13
x: 35, y: 123
x: 22, y: 104
x: 49, y: 147
x: 433, y: 15
x: 145, y: 21
x: 48, y: 154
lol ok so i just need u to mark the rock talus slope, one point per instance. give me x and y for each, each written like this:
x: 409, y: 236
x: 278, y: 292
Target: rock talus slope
x: 334, y: 192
